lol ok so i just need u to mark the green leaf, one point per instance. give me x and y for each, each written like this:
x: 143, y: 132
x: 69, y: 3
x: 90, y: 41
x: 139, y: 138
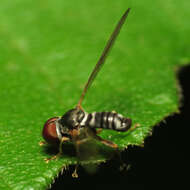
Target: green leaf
x: 47, y: 51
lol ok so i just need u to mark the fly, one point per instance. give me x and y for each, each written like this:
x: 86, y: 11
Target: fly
x: 76, y: 125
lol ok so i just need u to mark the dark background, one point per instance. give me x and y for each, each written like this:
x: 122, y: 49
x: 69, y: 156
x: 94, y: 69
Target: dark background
x: 162, y: 162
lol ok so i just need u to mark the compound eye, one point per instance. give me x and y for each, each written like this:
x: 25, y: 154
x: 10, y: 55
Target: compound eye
x: 49, y: 132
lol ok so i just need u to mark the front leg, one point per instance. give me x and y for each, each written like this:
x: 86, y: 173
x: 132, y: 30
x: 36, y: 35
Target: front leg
x: 93, y: 134
x: 63, y: 140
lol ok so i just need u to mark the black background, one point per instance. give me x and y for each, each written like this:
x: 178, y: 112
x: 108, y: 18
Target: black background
x: 161, y: 164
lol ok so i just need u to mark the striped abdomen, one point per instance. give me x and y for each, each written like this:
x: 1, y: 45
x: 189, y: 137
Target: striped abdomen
x: 107, y: 120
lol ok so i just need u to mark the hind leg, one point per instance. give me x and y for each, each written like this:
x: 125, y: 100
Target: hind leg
x: 115, y: 147
x: 106, y: 142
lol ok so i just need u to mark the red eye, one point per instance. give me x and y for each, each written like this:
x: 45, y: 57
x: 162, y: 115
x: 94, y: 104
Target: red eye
x: 49, y: 132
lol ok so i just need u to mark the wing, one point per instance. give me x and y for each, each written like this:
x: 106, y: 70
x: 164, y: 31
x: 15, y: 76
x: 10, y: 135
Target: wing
x: 102, y: 58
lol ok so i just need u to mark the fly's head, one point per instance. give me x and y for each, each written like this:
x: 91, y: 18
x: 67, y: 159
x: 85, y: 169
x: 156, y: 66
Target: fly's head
x: 53, y: 131
x: 66, y: 126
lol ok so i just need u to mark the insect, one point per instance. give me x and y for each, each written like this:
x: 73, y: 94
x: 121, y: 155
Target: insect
x: 76, y: 125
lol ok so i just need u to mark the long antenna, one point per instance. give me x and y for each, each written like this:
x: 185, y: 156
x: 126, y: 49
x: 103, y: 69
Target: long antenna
x: 102, y: 58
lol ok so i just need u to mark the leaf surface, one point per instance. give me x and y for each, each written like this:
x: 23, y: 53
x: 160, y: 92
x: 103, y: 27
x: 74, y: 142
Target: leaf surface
x: 47, y: 51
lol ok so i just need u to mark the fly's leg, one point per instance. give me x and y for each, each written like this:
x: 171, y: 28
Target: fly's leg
x: 74, y: 174
x: 114, y: 146
x: 77, y: 146
x: 103, y: 141
x: 52, y: 158
x: 42, y: 143
x: 117, y: 151
x: 63, y: 140
x: 93, y: 134
x: 134, y: 127
x: 89, y: 133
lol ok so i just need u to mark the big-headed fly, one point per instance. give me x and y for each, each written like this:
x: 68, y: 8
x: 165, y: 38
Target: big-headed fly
x: 76, y: 125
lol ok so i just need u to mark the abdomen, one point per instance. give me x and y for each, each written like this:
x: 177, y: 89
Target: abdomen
x: 107, y: 120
